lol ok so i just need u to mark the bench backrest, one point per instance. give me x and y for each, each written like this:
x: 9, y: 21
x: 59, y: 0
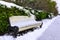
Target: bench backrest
x: 20, y: 19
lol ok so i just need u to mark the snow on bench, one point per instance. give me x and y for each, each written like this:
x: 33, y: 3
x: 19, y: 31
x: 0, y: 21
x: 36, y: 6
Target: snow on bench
x: 24, y: 22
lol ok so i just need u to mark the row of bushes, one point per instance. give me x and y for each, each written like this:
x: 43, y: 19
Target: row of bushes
x: 40, y: 14
x: 5, y: 13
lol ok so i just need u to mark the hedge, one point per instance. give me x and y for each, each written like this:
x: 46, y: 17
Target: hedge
x: 5, y: 13
x: 41, y: 15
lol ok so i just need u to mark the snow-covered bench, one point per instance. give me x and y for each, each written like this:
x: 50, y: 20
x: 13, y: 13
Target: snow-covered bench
x: 24, y: 23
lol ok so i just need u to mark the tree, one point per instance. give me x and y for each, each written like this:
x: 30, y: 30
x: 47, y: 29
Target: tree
x: 46, y: 5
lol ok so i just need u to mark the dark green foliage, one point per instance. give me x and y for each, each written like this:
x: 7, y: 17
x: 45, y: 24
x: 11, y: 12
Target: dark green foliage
x: 5, y: 13
x: 41, y: 15
x: 46, y: 5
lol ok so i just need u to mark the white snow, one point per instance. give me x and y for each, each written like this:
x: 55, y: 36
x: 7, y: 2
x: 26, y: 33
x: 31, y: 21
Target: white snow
x: 25, y: 23
x: 52, y: 32
x: 10, y: 4
x: 5, y: 37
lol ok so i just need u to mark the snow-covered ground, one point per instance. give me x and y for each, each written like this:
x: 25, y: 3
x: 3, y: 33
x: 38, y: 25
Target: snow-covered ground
x: 52, y: 32
x: 5, y: 37
x: 30, y: 35
x: 38, y: 32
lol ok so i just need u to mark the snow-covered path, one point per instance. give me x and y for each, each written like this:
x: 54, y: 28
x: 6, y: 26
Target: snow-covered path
x: 52, y: 32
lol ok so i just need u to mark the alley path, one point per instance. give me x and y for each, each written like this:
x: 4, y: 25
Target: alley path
x: 52, y: 32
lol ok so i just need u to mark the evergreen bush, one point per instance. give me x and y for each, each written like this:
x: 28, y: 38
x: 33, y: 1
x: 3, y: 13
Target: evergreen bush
x: 5, y: 13
x: 41, y: 15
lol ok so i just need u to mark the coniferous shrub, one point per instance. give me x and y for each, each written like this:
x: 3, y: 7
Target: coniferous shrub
x: 41, y: 15
x: 5, y: 13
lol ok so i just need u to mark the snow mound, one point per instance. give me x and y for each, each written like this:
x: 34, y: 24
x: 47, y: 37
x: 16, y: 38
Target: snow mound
x: 10, y: 4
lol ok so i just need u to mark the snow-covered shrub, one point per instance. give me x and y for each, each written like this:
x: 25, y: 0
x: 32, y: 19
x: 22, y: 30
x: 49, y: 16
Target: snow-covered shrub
x: 41, y: 15
x: 5, y: 13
